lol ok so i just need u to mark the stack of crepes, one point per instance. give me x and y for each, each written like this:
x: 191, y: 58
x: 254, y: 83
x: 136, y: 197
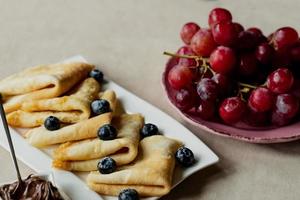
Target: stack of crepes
x: 66, y: 92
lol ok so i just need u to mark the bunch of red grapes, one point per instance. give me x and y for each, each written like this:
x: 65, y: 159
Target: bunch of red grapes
x: 231, y: 74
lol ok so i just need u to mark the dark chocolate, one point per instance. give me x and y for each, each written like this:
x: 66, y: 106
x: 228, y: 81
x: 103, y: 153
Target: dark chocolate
x: 32, y: 188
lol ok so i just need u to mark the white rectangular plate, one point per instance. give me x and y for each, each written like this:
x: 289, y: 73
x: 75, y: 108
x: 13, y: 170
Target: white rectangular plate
x: 73, y: 183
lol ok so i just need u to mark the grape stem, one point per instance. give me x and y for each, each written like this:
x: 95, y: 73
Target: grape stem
x: 245, y: 90
x: 205, y: 61
x: 247, y: 85
x: 210, y: 69
x: 185, y: 56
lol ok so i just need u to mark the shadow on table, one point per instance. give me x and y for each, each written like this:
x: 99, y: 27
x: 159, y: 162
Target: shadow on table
x: 193, y: 185
x: 290, y: 148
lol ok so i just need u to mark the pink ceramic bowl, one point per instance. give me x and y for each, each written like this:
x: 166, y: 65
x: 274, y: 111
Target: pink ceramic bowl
x: 240, y: 131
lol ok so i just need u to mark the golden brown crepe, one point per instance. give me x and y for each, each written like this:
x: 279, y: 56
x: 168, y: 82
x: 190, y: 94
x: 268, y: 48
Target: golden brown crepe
x: 150, y: 175
x: 41, y: 82
x: 68, y: 109
x: 41, y: 137
x: 85, y: 155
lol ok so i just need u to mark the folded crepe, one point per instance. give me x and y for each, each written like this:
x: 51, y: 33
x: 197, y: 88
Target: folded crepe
x: 68, y: 109
x: 150, y: 175
x: 41, y: 137
x: 41, y: 82
x: 85, y: 155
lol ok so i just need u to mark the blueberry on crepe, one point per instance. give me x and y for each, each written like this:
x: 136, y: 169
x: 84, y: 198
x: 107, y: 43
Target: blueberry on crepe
x: 129, y: 194
x: 107, y: 165
x: 100, y: 106
x: 149, y: 130
x: 97, y: 75
x: 107, y: 132
x: 52, y: 123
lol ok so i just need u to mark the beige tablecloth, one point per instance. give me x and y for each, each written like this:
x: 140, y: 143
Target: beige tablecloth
x: 126, y: 39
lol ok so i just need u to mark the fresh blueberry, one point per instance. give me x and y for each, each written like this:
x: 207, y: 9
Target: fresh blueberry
x: 100, y: 106
x: 129, y: 194
x: 107, y: 165
x: 149, y: 130
x: 97, y: 74
x: 52, y: 123
x: 185, y: 156
x: 107, y: 132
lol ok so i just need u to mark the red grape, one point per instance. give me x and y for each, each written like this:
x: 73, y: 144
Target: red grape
x: 281, y: 57
x: 225, y: 33
x: 206, y: 110
x: 207, y: 90
x: 203, y: 43
x: 248, y: 65
x: 296, y: 88
x: 180, y: 76
x: 224, y: 83
x: 287, y: 105
x: 246, y: 40
x: 257, y: 118
x: 258, y: 34
x: 295, y: 54
x: 280, y: 81
x: 261, y: 100
x: 285, y: 36
x: 255, y: 30
x: 188, y: 31
x: 279, y: 119
x: 185, y: 50
x: 188, y: 62
x: 238, y: 27
x: 218, y: 15
x: 185, y: 98
x: 232, y: 110
x: 222, y: 60
x: 264, y: 53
